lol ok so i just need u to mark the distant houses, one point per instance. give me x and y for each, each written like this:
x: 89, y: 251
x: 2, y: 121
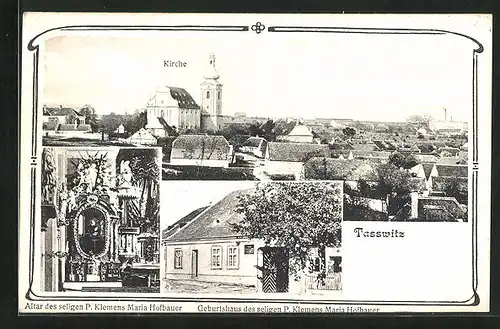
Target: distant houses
x: 289, y: 158
x: 63, y: 121
x: 201, y: 150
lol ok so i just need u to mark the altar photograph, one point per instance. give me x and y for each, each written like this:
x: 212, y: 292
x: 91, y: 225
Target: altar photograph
x: 100, y: 220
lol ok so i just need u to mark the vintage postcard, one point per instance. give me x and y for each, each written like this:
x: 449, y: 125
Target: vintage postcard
x: 255, y: 163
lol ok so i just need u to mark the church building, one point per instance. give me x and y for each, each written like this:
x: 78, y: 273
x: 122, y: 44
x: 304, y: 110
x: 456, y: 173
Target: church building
x: 175, y: 107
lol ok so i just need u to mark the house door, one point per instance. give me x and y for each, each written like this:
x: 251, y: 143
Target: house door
x: 274, y: 269
x: 194, y: 264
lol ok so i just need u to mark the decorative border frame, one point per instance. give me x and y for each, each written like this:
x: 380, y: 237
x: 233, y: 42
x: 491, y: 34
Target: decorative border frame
x: 258, y: 28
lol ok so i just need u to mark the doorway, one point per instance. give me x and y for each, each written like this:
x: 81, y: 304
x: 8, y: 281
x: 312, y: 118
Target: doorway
x: 194, y: 264
x: 275, y: 268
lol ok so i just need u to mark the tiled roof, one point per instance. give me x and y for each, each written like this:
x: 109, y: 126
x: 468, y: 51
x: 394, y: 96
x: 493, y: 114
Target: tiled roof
x: 365, y: 147
x: 253, y: 141
x: 341, y: 146
x: 60, y: 111
x: 200, y: 147
x: 84, y: 127
x: 426, y: 147
x: 296, y: 152
x: 171, y: 229
x: 183, y: 98
x: 66, y: 127
x: 384, y: 145
x: 452, y: 170
x: 350, y: 170
x: 452, y: 150
x: 440, y: 183
x: 214, y: 222
x: 427, y: 169
x: 51, y: 125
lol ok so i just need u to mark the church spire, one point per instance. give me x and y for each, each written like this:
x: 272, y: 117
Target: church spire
x: 211, y: 72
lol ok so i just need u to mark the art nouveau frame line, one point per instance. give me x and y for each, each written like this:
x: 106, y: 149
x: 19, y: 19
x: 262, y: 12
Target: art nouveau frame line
x: 257, y: 28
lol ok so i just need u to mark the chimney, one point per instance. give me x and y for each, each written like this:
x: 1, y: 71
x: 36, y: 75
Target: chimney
x: 445, y: 117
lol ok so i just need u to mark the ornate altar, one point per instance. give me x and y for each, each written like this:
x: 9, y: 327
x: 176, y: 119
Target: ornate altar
x: 103, y: 214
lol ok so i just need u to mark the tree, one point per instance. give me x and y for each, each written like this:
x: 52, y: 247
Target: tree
x: 294, y: 216
x: 110, y: 122
x: 90, y: 116
x: 401, y: 160
x: 420, y: 119
x: 135, y: 121
x: 349, y: 132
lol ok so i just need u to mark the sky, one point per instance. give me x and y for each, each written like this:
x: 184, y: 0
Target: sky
x: 179, y: 198
x: 361, y: 77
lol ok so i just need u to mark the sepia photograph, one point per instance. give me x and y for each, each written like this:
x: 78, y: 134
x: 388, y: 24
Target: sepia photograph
x: 244, y: 163
x: 100, y: 213
x: 253, y: 237
x: 220, y: 113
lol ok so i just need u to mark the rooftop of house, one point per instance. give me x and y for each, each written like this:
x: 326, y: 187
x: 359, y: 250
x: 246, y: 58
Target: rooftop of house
x: 73, y: 127
x: 173, y: 228
x: 253, y: 141
x: 427, y: 168
x: 300, y: 130
x: 441, y: 183
x: 183, y: 98
x: 142, y: 133
x: 60, y: 111
x: 367, y: 147
x: 296, y: 152
x: 213, y: 223
x: 452, y: 170
x: 201, y: 147
x: 348, y: 170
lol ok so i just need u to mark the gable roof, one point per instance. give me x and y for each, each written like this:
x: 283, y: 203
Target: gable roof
x: 253, y: 141
x: 214, y: 222
x: 142, y: 134
x: 341, y: 146
x: 173, y: 228
x: 384, y: 145
x: 300, y: 130
x: 367, y: 147
x: 200, y: 147
x: 60, y: 111
x: 295, y: 152
x: 452, y: 170
x: 427, y: 169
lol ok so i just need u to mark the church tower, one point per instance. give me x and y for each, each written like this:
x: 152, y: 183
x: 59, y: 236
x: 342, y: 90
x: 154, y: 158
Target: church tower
x: 211, y: 98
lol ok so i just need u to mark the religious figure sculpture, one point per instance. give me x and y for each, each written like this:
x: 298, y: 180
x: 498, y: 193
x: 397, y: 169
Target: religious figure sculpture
x: 48, y: 178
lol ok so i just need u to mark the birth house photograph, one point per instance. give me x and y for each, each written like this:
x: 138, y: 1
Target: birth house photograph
x: 221, y: 111
x: 252, y: 238
x: 100, y: 220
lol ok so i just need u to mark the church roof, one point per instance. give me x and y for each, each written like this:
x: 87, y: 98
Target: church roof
x: 183, y: 98
x: 200, y: 147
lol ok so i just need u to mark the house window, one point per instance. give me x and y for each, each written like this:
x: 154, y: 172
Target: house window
x: 208, y: 94
x: 216, y: 257
x: 249, y: 249
x: 178, y: 258
x: 232, y: 257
